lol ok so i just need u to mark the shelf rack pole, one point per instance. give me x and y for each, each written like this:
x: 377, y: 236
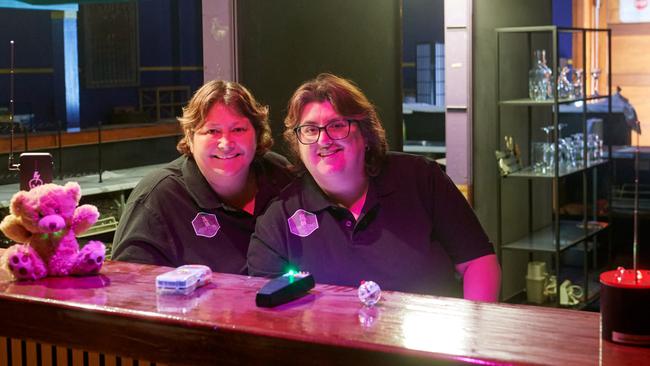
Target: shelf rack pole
x: 556, y: 166
x: 498, y: 146
x: 609, y: 147
x: 635, y: 244
x: 530, y: 144
x: 585, y: 161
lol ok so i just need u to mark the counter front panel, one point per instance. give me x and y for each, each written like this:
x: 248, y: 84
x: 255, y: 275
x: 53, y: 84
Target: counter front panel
x: 118, y: 312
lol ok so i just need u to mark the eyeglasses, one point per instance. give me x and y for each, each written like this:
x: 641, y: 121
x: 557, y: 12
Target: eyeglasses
x: 336, y: 130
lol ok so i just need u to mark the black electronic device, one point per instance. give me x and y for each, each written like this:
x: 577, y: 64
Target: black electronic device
x: 285, y: 288
x: 35, y: 170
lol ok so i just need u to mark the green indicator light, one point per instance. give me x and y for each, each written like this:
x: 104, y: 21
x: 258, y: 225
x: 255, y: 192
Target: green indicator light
x: 290, y: 269
x: 291, y: 275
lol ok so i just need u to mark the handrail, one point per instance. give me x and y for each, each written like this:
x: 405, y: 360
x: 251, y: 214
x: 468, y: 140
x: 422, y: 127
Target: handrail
x: 48, y: 140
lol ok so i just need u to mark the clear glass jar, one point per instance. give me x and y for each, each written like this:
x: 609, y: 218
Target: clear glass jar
x: 579, y: 146
x: 540, y: 78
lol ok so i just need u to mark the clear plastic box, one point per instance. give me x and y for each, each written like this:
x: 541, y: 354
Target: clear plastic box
x: 183, y: 280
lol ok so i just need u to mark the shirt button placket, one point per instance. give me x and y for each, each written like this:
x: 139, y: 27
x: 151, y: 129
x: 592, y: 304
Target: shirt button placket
x: 349, y: 225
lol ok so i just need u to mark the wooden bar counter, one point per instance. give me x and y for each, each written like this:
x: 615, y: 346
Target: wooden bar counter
x: 118, y: 312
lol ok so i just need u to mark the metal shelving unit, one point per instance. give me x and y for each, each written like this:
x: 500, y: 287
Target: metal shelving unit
x: 571, y: 233
x: 530, y: 172
x: 559, y: 234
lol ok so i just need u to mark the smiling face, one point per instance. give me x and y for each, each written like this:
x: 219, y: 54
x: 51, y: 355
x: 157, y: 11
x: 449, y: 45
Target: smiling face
x: 326, y: 158
x: 225, y: 145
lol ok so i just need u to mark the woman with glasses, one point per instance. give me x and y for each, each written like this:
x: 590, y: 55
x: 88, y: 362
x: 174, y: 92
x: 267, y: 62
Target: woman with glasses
x: 201, y: 208
x: 362, y: 213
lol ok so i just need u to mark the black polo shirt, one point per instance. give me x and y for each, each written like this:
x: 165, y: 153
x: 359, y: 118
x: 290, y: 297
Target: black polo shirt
x: 173, y: 217
x: 414, y: 227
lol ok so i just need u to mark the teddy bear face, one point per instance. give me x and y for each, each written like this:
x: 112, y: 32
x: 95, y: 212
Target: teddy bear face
x: 48, y: 208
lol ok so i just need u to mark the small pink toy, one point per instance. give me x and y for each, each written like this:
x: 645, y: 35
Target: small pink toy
x: 45, y: 222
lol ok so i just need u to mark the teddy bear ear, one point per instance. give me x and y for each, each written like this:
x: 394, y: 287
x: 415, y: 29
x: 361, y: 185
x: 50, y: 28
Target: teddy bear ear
x: 18, y: 202
x: 73, y: 190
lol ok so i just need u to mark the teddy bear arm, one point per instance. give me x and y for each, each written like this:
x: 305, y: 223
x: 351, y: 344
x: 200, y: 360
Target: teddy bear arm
x: 14, y: 229
x: 85, y: 216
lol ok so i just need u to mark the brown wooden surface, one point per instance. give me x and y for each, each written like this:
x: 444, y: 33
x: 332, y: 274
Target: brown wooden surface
x: 3, y: 351
x: 630, y: 59
x: 46, y: 354
x: 119, y: 312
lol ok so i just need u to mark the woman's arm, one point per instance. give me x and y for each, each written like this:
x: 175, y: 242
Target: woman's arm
x: 142, y: 237
x: 481, y: 278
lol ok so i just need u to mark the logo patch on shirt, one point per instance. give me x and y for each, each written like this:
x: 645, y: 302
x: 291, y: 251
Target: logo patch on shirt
x: 302, y: 223
x: 205, y: 224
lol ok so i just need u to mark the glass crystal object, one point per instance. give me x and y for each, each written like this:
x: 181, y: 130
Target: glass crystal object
x: 369, y: 293
x: 564, y: 85
x: 577, y: 83
x: 540, y: 78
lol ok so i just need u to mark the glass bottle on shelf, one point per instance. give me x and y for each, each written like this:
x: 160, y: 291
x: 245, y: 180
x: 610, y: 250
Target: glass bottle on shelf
x: 549, y: 150
x: 540, y: 78
x: 578, y: 150
x: 550, y: 84
x: 594, y: 147
x: 577, y: 83
x: 571, y: 74
x: 564, y: 84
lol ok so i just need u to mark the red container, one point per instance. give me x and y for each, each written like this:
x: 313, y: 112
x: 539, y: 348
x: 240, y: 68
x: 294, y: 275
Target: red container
x: 625, y: 306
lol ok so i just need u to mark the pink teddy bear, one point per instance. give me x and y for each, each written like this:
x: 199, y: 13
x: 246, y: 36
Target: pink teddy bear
x: 46, y: 221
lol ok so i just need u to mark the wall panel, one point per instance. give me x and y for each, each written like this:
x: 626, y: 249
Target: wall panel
x: 630, y: 60
x: 282, y: 43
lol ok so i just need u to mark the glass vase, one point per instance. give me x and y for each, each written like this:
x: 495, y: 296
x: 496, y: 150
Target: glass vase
x: 540, y: 78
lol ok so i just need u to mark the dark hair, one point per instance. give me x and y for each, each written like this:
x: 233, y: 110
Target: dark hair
x: 348, y: 101
x: 230, y: 94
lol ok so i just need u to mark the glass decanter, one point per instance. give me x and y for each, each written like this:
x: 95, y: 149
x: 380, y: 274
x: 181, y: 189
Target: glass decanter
x: 548, y: 74
x: 539, y: 78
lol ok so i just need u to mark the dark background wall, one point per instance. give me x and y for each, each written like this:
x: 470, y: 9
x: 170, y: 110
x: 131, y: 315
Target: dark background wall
x: 170, y: 53
x: 283, y: 43
x: 563, y: 16
x: 489, y: 15
x: 170, y: 43
x: 33, y: 49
